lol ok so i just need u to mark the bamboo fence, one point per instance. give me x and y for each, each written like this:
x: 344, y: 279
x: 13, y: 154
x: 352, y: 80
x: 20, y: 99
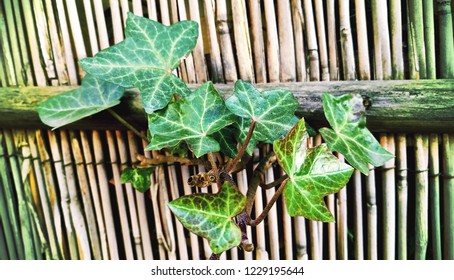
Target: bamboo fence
x: 60, y: 191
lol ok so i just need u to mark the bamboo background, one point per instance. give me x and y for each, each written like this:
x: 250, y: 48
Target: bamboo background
x: 60, y: 191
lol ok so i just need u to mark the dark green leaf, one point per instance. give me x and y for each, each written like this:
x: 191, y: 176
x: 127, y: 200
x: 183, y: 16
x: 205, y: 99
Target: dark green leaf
x: 92, y: 97
x: 146, y: 58
x: 313, y: 174
x: 227, y: 141
x: 193, y: 119
x: 139, y: 177
x: 350, y: 135
x: 210, y: 216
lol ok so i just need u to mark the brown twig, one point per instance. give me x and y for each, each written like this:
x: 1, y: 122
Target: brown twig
x: 233, y: 163
x: 161, y: 159
x: 128, y: 125
x: 268, y: 207
x: 275, y: 183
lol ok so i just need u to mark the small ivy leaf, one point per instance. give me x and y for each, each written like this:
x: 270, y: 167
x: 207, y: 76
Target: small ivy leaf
x: 210, y: 216
x: 146, y: 58
x: 92, y: 97
x: 313, y: 174
x: 139, y: 177
x: 350, y: 136
x: 193, y: 119
x: 273, y: 111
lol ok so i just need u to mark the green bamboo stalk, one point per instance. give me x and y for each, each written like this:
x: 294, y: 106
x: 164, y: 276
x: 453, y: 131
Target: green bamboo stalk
x: 311, y: 39
x: 448, y: 196
x: 15, y: 50
x: 395, y: 17
x: 402, y: 196
x: 363, y: 44
x: 415, y: 13
x: 3, y: 246
x: 434, y: 195
x: 348, y: 57
x: 372, y: 232
x: 446, y: 44
x: 389, y: 198
x: 6, y: 51
x: 429, y: 36
x: 23, y: 44
x: 7, y: 247
x: 421, y: 196
x: 358, y: 217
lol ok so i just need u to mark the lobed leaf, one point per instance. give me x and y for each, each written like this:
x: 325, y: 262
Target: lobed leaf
x: 312, y: 174
x: 93, y: 96
x: 210, y: 216
x: 139, y: 177
x: 350, y: 136
x: 146, y: 58
x: 193, y: 119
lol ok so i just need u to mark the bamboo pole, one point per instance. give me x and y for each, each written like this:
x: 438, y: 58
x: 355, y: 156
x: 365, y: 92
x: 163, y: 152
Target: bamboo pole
x: 332, y: 41
x: 429, y: 37
x: 372, y: 219
x: 3, y: 251
x: 225, y: 42
x: 322, y: 40
x: 421, y: 196
x: 152, y: 10
x: 415, y: 14
x: 188, y: 62
x: 241, y: 180
x: 286, y: 42
x: 300, y: 52
x: 311, y: 39
x: 15, y: 50
x: 116, y: 21
x: 198, y: 52
x: 448, y: 195
x: 362, y: 38
x: 272, y: 218
x: 389, y: 200
x: 446, y: 44
x: 137, y: 7
x: 216, y: 75
x: 255, y: 19
x: 358, y: 217
x: 26, y: 65
x: 11, y: 79
x: 91, y: 28
x: 434, y: 196
x: 395, y: 14
x: 101, y: 25
x: 402, y: 196
x: 242, y: 41
x: 272, y: 42
x: 194, y: 243
x: 348, y: 58
x: 342, y: 229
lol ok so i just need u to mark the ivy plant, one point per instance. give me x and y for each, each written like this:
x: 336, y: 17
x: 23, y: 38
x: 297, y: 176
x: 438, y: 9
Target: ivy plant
x: 220, y: 133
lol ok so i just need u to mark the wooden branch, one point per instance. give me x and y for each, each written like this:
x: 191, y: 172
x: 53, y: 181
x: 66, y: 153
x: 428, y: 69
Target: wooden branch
x: 394, y: 106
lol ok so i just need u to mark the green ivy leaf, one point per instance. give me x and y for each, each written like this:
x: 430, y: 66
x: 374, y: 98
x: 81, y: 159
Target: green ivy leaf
x: 92, y: 97
x: 350, y: 136
x: 273, y: 111
x: 139, y: 177
x: 210, y: 216
x: 146, y: 58
x: 193, y: 119
x: 227, y: 141
x: 312, y: 174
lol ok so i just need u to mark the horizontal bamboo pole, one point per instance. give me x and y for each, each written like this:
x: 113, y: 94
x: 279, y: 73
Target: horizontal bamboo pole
x: 402, y: 106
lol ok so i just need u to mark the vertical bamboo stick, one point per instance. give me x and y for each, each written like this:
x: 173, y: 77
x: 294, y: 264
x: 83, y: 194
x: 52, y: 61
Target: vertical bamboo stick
x: 217, y: 75
x: 312, y: 46
x: 415, y: 13
x: 429, y: 37
x: 389, y: 200
x: 363, y: 44
x: 288, y: 240
x: 395, y: 13
x: 101, y: 25
x: 198, y: 52
x: 445, y: 29
x: 332, y: 40
x: 152, y: 10
x: 434, y: 195
x: 242, y: 40
x: 76, y: 32
x: 272, y: 42
x: 272, y: 219
x: 286, y: 42
x: 137, y: 7
x: 242, y: 186
x: 371, y: 201
x: 322, y: 40
x: 116, y: 21
x: 189, y: 61
x: 421, y: 196
x: 383, y: 37
x: 402, y: 196
x: 255, y: 16
x: 300, y: 52
x: 15, y: 51
x: 228, y: 59
x: 164, y: 12
x: 6, y: 52
x: 358, y: 217
x: 91, y: 27
x: 300, y: 238
x: 124, y: 7
x: 26, y: 65
x: 342, y: 230
x: 348, y: 58
x: 448, y: 195
x: 3, y: 251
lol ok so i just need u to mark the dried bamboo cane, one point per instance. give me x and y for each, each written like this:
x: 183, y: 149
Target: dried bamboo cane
x: 371, y: 202
x: 242, y: 41
x: 402, y: 196
x: 84, y: 191
x: 421, y: 196
x: 76, y: 32
x: 272, y: 219
x: 358, y: 217
x: 429, y: 39
x: 300, y: 53
x: 137, y: 7
x: 242, y: 186
x: 434, y: 195
x: 228, y: 59
x: 316, y: 236
x: 300, y: 238
x: 272, y: 43
x: 286, y: 42
x: 11, y: 79
x: 446, y: 44
x: 174, y: 11
x: 16, y: 247
x: 322, y: 40
x: 342, y: 230
x: 189, y: 61
x: 124, y: 7
x: 26, y: 65
x: 415, y: 14
x: 91, y: 27
x: 120, y: 196
x: 116, y: 21
x: 141, y: 207
x: 15, y: 50
x: 363, y: 44
x: 381, y: 40
x: 288, y: 225
x: 448, y: 195
x: 164, y: 12
x: 389, y: 200
x: 198, y: 52
x: 395, y: 13
x: 3, y: 251
x: 332, y: 41
x: 195, y: 252
x: 105, y: 196
x: 152, y: 10
x: 348, y: 58
x: 101, y: 25
x: 311, y: 39
x: 255, y: 16
x: 216, y: 74
x: 413, y: 67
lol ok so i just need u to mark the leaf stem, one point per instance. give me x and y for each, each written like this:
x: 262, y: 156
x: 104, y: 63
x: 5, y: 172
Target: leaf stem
x: 275, y: 183
x: 128, y: 125
x: 233, y: 163
x: 268, y: 207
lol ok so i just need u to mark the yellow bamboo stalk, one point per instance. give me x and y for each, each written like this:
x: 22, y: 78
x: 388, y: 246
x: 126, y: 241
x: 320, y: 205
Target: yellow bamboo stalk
x: 255, y: 20
x: 152, y: 10
x: 434, y: 196
x: 26, y: 65
x: 117, y: 23
x: 8, y: 62
x: 311, y: 39
x: 15, y: 50
x: 332, y: 40
x: 342, y: 228
x: 371, y: 201
x: 272, y: 43
x: 76, y: 32
x: 358, y: 217
x: 124, y: 7
x: 402, y: 196
x: 322, y: 40
x: 272, y: 218
x: 101, y: 25
x: 381, y: 40
x: 137, y: 7
x: 198, y: 52
x: 241, y: 180
x: 189, y: 61
x: 389, y: 200
x: 228, y: 59
x: 395, y: 13
x: 214, y: 51
x: 286, y: 42
x: 362, y: 38
x: 91, y: 27
x: 421, y: 196
x: 348, y: 58
x: 242, y: 40
x: 300, y: 52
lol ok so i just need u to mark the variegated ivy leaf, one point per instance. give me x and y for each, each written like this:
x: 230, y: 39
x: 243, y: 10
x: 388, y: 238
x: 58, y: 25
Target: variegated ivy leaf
x: 350, y: 135
x: 146, y: 58
x: 139, y: 177
x: 273, y: 111
x: 92, y: 97
x: 193, y: 119
x: 210, y: 216
x: 312, y: 174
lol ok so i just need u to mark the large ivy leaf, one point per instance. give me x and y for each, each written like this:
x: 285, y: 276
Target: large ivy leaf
x: 350, y: 136
x: 273, y: 111
x: 210, y: 216
x: 312, y: 174
x: 139, y: 177
x: 193, y: 119
x: 92, y: 97
x: 146, y: 58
